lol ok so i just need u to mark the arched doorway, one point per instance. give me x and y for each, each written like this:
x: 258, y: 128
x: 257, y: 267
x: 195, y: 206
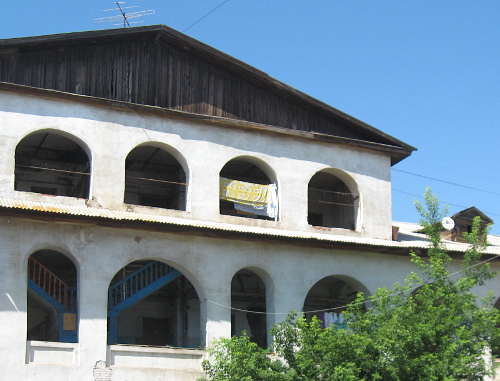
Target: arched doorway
x: 331, y: 203
x: 329, y: 297
x: 50, y: 163
x: 248, y: 303
x: 52, y: 297
x: 152, y: 303
x: 154, y: 177
x: 247, y: 191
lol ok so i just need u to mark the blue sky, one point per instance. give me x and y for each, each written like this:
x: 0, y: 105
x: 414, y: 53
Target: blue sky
x: 426, y: 72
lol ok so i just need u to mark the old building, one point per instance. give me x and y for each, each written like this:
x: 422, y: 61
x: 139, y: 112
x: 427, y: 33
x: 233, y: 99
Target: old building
x: 156, y: 194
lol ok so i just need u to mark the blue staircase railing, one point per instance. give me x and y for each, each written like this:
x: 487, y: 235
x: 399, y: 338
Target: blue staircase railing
x: 135, y: 287
x: 136, y: 282
x: 57, y: 293
x: 52, y: 284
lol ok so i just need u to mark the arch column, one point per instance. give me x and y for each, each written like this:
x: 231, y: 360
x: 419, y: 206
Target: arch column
x: 93, y: 301
x: 216, y: 316
x: 108, y: 173
x: 292, y: 193
x: 13, y: 308
x: 287, y: 296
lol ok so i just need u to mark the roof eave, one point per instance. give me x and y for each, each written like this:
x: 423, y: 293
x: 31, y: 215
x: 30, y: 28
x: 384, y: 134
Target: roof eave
x: 164, y: 34
x: 395, y: 152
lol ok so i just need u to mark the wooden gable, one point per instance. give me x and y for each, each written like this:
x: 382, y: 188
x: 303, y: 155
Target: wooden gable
x: 466, y: 216
x: 158, y: 66
x: 463, y: 223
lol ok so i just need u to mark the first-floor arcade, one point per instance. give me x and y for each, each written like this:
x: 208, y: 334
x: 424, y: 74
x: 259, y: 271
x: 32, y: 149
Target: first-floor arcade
x: 141, y: 300
x: 152, y: 303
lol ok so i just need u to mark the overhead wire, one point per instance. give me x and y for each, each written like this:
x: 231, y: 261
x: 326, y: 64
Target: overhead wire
x: 441, y: 202
x: 446, y: 182
x: 212, y: 11
x: 359, y: 303
x: 395, y: 169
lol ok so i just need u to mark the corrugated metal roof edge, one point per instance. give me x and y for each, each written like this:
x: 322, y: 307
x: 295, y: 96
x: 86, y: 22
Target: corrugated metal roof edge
x: 98, y: 212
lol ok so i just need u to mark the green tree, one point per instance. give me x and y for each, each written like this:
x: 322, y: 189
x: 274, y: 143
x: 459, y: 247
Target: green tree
x: 431, y: 327
x: 239, y: 359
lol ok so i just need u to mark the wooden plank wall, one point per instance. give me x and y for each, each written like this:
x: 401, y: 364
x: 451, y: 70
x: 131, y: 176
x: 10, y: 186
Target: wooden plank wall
x: 152, y: 73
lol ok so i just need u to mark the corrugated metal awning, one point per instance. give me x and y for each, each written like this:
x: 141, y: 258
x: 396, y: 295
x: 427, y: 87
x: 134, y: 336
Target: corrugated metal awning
x: 411, y: 239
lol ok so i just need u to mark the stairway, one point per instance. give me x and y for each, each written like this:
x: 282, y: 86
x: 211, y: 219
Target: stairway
x: 135, y: 287
x: 57, y: 294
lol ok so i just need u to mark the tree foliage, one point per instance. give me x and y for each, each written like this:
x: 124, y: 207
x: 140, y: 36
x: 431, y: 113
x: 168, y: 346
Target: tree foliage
x: 431, y: 327
x: 240, y: 359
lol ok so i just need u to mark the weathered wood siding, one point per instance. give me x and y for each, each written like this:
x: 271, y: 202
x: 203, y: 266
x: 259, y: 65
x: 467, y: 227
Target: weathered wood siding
x: 154, y: 73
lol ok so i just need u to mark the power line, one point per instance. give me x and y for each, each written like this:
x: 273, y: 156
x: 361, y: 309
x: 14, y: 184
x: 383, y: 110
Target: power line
x: 367, y: 300
x: 446, y: 182
x: 213, y: 10
x: 442, y: 202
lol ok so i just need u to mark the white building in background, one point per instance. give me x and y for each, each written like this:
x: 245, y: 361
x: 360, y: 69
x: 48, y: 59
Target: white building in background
x: 156, y: 194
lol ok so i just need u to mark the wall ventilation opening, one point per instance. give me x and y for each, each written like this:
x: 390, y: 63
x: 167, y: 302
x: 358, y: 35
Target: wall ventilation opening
x: 52, y: 164
x: 246, y: 191
x: 331, y: 203
x: 153, y: 177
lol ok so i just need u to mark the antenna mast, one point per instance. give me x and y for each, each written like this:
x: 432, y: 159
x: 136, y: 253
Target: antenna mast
x: 123, y: 16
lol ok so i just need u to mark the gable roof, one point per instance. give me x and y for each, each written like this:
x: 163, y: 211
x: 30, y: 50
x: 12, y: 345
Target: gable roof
x: 470, y: 213
x: 158, y: 66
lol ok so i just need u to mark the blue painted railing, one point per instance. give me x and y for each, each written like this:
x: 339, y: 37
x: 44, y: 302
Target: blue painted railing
x: 68, y: 297
x: 135, y: 287
x: 52, y: 285
x: 137, y: 281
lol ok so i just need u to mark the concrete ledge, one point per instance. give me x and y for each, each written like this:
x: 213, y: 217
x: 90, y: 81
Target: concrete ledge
x: 48, y: 352
x: 133, y: 356
x: 141, y: 374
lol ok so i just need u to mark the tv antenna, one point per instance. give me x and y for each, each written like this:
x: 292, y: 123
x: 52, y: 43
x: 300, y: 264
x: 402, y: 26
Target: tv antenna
x: 124, y: 17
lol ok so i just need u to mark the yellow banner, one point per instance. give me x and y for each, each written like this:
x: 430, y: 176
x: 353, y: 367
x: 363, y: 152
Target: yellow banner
x: 243, y: 193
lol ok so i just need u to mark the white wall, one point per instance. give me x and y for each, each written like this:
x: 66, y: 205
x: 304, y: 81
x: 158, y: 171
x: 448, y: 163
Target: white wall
x: 209, y: 263
x: 203, y: 150
x: 288, y: 271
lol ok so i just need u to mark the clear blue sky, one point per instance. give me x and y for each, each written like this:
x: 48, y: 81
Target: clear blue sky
x: 426, y: 72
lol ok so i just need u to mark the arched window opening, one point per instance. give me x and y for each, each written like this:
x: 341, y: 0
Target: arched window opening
x: 246, y: 191
x: 151, y: 303
x: 248, y: 300
x: 52, y: 297
x: 153, y: 177
x: 328, y: 299
x: 50, y: 163
x: 331, y: 203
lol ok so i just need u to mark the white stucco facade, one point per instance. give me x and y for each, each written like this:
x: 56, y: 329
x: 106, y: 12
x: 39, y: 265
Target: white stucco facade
x: 108, y: 136
x: 289, y: 255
